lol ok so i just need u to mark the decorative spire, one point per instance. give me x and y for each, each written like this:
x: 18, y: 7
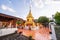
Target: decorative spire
x: 30, y: 6
x: 30, y: 14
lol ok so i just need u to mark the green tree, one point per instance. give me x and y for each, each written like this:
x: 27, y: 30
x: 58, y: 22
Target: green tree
x: 51, y: 20
x: 57, y: 18
x: 19, y: 22
x: 44, y: 20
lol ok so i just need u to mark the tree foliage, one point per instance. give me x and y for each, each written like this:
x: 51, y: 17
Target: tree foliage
x: 19, y: 22
x: 51, y: 20
x: 57, y: 18
x: 44, y: 20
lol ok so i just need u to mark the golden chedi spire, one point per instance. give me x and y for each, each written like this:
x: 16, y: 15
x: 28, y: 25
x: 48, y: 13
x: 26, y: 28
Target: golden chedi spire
x: 30, y: 18
x: 30, y: 14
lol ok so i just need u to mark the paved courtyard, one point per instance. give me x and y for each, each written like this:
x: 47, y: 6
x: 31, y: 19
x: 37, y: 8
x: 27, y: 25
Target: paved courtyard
x: 41, y: 34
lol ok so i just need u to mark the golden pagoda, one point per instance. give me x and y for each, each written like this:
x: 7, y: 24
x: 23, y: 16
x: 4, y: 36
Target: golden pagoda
x: 30, y: 20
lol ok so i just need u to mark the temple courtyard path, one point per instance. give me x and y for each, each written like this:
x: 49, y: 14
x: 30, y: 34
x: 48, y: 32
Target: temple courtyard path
x: 41, y: 34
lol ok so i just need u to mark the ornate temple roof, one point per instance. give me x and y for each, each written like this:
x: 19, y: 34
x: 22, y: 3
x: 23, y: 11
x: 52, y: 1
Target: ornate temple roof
x: 5, y: 17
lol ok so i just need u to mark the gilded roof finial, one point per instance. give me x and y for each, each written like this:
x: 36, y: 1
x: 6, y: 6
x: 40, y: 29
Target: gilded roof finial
x: 30, y: 14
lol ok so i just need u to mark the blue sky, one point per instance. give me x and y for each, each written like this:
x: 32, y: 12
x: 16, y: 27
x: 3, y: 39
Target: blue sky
x: 20, y: 8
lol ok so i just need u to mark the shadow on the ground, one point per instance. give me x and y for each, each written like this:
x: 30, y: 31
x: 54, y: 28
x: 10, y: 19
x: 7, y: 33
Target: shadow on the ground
x: 14, y: 36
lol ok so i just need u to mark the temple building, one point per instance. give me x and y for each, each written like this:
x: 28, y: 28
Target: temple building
x: 8, y: 20
x: 30, y: 20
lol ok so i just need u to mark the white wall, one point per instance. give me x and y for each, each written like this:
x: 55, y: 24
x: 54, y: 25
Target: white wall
x: 7, y: 31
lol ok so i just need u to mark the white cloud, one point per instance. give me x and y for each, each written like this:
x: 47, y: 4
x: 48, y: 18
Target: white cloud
x: 4, y: 7
x: 52, y: 2
x: 38, y: 3
x: 50, y: 8
x: 11, y: 10
x: 56, y: 0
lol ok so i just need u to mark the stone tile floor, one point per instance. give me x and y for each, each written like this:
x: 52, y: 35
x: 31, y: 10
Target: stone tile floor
x: 41, y: 34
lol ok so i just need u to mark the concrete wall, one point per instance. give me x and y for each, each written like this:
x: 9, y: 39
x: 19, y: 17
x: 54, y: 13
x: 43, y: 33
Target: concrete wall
x: 7, y: 31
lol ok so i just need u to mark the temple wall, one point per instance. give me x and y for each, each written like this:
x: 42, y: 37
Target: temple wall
x: 8, y: 24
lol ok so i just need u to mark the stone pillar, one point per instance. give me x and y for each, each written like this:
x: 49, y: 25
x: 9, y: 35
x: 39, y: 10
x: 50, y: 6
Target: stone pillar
x: 9, y: 24
x: 14, y: 23
x: 0, y: 24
